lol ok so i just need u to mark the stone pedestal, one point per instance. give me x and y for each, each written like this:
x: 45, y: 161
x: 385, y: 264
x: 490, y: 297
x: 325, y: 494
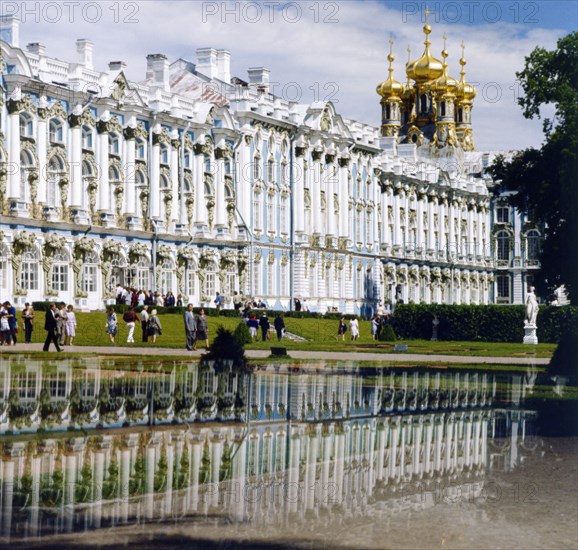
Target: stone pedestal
x: 530, y: 334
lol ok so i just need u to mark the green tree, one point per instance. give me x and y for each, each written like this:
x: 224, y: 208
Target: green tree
x: 544, y: 180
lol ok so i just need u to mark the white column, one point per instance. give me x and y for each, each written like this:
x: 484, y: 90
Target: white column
x: 480, y: 221
x: 199, y: 178
x: 76, y: 166
x: 329, y: 200
x: 220, y: 212
x: 420, y: 233
x: 397, y: 201
x: 103, y: 190
x: 452, y: 245
x: 343, y: 198
x: 441, y: 229
x: 175, y: 179
x: 431, y: 207
x: 130, y: 190
x: 470, y: 229
x: 42, y: 152
x: 243, y: 175
x: 315, y: 188
x: 14, y: 156
x: 155, y: 194
x: 298, y: 200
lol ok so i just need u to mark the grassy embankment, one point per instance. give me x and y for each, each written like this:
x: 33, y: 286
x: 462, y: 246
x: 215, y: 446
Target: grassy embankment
x: 320, y: 335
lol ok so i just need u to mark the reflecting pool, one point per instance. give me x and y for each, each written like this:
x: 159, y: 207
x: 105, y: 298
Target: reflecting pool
x: 113, y: 452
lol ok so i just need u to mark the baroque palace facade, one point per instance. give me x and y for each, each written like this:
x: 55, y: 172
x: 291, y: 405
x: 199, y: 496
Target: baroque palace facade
x: 196, y: 182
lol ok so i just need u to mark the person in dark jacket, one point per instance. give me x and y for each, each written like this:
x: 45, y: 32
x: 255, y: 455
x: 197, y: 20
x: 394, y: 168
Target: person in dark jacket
x: 279, y: 326
x: 51, y: 326
x: 264, y: 324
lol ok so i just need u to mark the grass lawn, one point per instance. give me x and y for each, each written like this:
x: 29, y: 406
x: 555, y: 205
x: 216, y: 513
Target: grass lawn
x: 319, y: 333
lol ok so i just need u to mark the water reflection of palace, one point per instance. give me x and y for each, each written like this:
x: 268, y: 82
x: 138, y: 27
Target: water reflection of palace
x: 302, y: 443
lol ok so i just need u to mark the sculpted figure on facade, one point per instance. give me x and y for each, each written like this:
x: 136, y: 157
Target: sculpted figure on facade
x: 23, y: 241
x: 52, y: 245
x: 81, y: 248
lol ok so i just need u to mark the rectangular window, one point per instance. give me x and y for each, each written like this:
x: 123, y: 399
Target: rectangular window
x: 29, y: 277
x: 283, y: 280
x: 256, y: 278
x: 89, y: 278
x: 57, y: 386
x: 270, y: 214
x: 503, y: 288
x: 3, y: 272
x: 209, y: 285
x: 166, y: 281
x: 503, y: 214
x: 190, y: 282
x: 256, y: 211
x: 60, y: 277
x: 283, y: 215
x: 270, y: 278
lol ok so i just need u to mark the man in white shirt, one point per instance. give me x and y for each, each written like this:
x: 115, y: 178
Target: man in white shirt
x: 144, y: 320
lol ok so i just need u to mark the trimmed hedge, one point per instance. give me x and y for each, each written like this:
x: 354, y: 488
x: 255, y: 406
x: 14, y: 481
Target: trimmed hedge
x: 489, y: 323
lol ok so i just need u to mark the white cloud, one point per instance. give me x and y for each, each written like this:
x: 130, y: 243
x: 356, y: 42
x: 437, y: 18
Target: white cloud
x: 342, y: 60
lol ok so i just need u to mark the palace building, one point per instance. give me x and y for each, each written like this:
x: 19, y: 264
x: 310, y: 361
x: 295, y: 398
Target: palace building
x: 196, y: 181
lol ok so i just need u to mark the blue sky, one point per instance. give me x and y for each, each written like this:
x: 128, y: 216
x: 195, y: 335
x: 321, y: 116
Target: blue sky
x: 321, y: 49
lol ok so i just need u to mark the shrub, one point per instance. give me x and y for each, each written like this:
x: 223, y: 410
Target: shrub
x: 488, y: 323
x: 387, y: 333
x: 225, y: 346
x: 242, y: 334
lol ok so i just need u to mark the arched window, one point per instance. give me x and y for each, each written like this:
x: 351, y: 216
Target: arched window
x: 503, y: 246
x: 87, y: 138
x: 533, y: 245
x: 190, y: 278
x: 143, y: 274
x: 164, y: 154
x: 460, y: 115
x: 26, y: 125
x: 164, y: 182
x: 26, y: 163
x: 30, y: 269
x: 55, y: 172
x: 140, y: 181
x: 423, y: 103
x: 60, y: 271
x: 55, y: 131
x: 140, y: 149
x: 89, y: 272
x: 167, y: 269
x: 230, y: 280
x: 113, y: 144
x: 209, y: 288
x: 443, y: 108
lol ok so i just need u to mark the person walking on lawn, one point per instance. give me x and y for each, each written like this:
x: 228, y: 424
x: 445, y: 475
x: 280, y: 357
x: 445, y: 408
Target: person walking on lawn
x: 190, y: 328
x: 202, y: 329
x: 51, y: 328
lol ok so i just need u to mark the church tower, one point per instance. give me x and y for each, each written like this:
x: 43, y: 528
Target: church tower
x: 390, y: 91
x: 465, y: 95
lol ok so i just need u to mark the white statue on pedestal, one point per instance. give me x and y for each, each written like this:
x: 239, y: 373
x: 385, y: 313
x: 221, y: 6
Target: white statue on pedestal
x: 530, y: 327
x: 531, y: 307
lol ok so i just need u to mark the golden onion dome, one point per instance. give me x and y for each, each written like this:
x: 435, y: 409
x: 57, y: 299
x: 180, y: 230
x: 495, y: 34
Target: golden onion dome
x: 445, y: 84
x: 390, y: 87
x: 427, y: 67
x: 465, y: 91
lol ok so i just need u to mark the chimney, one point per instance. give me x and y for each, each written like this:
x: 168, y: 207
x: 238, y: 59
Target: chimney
x: 259, y: 78
x: 84, y: 53
x: 207, y: 62
x: 117, y: 66
x: 36, y: 48
x: 224, y: 66
x: 10, y: 30
x: 158, y: 70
